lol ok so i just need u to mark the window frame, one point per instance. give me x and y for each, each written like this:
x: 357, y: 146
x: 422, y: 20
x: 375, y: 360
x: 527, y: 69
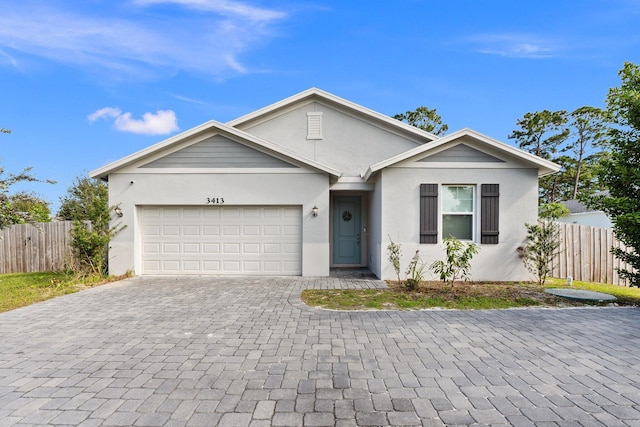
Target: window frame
x: 474, y: 211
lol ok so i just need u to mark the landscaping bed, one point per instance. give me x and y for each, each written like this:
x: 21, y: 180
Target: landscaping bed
x: 460, y: 295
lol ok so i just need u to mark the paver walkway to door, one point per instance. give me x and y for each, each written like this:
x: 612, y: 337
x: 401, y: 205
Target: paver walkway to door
x: 246, y: 352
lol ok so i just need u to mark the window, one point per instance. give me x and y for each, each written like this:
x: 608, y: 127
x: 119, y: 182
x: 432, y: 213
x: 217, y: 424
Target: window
x: 458, y: 208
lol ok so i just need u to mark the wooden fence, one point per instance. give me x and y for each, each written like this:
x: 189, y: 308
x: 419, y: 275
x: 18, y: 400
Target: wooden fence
x: 585, y: 254
x: 26, y: 248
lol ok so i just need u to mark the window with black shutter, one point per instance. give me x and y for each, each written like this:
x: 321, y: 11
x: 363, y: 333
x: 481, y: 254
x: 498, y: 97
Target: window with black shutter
x: 428, y: 213
x: 490, y: 214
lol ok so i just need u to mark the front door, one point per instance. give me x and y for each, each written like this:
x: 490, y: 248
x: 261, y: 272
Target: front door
x: 346, y: 230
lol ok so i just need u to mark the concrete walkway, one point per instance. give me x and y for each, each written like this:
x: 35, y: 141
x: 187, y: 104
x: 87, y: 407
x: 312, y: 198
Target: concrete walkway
x: 247, y: 352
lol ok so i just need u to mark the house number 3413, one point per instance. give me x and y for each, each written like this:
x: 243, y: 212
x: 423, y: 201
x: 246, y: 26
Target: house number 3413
x: 215, y: 200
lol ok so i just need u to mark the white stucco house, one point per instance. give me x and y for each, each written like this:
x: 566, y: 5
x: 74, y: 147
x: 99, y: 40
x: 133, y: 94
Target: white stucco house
x: 313, y: 182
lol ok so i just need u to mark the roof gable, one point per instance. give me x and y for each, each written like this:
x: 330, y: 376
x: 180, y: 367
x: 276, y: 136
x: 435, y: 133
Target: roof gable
x: 461, y: 153
x: 315, y: 94
x: 544, y: 167
x: 218, y: 152
x: 200, y: 133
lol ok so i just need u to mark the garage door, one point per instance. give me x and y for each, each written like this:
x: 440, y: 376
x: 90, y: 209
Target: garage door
x: 256, y: 240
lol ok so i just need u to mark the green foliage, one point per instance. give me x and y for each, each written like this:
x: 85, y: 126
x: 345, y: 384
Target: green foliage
x: 424, y: 118
x: 568, y: 139
x: 458, y: 260
x: 543, y: 244
x: 553, y: 211
x: 394, y: 252
x: 620, y: 173
x: 415, y: 272
x: 31, y: 206
x: 86, y: 200
x: 12, y: 208
x: 87, y: 205
x: 541, y: 132
x: 590, y: 125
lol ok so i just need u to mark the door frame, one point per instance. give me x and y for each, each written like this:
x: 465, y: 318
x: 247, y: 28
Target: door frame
x: 364, y: 218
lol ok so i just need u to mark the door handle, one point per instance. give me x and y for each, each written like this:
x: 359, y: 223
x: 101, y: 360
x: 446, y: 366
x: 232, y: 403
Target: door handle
x: 358, y: 239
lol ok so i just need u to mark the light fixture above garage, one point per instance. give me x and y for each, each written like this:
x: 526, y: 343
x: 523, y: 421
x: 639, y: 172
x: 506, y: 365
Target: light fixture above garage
x: 314, y: 211
x: 118, y: 211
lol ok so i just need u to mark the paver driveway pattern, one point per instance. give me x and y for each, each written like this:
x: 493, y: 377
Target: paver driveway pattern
x: 247, y: 352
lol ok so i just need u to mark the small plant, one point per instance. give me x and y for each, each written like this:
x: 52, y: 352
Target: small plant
x: 395, y: 252
x: 458, y: 262
x: 543, y: 243
x: 415, y: 272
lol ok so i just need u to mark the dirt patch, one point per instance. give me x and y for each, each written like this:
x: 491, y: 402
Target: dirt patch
x: 490, y: 290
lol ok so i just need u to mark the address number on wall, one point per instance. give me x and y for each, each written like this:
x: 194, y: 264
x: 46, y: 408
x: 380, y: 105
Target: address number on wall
x: 215, y: 200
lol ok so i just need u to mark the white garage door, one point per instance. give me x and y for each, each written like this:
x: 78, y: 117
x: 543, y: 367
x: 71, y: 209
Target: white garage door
x: 257, y: 240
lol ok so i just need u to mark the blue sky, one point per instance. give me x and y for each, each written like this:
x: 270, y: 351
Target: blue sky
x: 86, y: 82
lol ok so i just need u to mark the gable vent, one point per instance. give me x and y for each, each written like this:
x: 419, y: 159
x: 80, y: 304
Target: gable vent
x: 314, y: 125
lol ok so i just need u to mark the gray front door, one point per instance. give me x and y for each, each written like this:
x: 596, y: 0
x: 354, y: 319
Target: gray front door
x: 346, y: 230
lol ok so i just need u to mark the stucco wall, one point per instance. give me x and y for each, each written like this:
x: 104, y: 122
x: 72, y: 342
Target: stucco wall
x: 129, y: 190
x: 349, y: 144
x: 401, y: 210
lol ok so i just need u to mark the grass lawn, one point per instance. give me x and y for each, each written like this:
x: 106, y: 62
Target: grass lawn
x: 21, y: 289
x: 18, y: 290
x: 462, y: 295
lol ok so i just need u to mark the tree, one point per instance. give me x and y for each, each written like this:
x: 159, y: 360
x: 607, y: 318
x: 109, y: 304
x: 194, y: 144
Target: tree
x: 34, y: 207
x: 541, y: 132
x: 87, y: 205
x: 86, y: 200
x: 543, y: 244
x: 621, y: 171
x: 590, y: 125
x: 10, y: 212
x: 424, y: 118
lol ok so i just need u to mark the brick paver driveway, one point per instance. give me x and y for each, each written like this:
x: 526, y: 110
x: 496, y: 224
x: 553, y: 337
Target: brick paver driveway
x: 244, y: 351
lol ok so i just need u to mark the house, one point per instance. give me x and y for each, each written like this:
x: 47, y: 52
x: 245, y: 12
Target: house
x: 583, y: 215
x: 313, y: 182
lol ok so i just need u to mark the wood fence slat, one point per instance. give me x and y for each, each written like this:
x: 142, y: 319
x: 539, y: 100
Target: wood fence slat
x: 585, y: 254
x: 26, y: 248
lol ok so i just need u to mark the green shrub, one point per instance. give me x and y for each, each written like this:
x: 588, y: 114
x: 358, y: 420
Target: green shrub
x: 458, y: 260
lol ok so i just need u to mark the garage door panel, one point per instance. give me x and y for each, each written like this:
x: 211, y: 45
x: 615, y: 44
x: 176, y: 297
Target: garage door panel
x: 221, y: 240
x: 211, y: 248
x: 171, y: 230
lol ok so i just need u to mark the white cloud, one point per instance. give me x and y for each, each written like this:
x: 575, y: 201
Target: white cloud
x: 104, y: 113
x: 162, y: 122
x: 514, y: 45
x: 224, y: 7
x: 201, y: 36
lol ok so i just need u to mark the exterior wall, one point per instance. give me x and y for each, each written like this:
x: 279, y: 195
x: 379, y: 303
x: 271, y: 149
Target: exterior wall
x: 594, y: 219
x: 376, y: 242
x: 401, y: 210
x: 349, y: 144
x: 129, y: 190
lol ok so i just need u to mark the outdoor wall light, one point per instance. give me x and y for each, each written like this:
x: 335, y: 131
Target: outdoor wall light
x: 314, y: 211
x: 118, y: 211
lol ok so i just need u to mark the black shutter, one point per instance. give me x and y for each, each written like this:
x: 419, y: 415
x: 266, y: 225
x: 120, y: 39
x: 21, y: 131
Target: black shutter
x: 490, y: 214
x: 428, y: 213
